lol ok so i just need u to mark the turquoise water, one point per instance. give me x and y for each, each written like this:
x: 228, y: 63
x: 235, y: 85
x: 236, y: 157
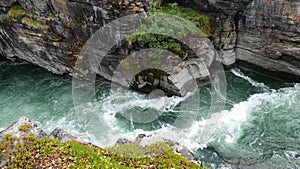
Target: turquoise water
x: 260, y: 122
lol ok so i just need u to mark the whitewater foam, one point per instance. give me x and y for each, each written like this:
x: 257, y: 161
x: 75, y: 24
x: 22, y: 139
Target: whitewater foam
x: 118, y: 102
x: 104, y: 128
x: 237, y: 72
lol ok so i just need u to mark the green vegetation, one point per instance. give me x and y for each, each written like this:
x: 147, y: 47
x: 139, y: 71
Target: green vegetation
x: 25, y: 127
x: 17, y: 11
x: 184, y: 21
x: 31, y: 152
x: 137, y: 151
x: 203, y: 22
x: 34, y: 23
x: 28, y: 18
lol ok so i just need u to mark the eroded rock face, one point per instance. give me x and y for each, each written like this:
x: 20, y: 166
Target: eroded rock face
x: 168, y: 72
x: 217, y: 6
x: 52, y: 32
x: 39, y: 7
x: 262, y: 35
x: 224, y: 14
x: 269, y: 38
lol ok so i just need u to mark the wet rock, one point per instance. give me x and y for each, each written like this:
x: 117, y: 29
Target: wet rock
x: 61, y: 135
x: 228, y: 57
x: 274, y: 67
x: 121, y: 141
x: 23, y: 127
x: 139, y: 138
x: 245, y: 163
x: 181, y: 150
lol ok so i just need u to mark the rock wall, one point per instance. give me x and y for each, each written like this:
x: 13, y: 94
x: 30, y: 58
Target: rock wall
x: 263, y: 35
x: 51, y: 33
x: 269, y: 38
x: 224, y: 14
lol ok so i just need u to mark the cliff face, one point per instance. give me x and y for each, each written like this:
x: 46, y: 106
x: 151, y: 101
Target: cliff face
x: 263, y: 35
x: 51, y: 33
x: 269, y: 38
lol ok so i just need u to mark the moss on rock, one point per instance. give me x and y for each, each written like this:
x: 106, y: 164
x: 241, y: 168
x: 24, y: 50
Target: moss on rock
x: 25, y: 127
x: 17, y: 13
x: 31, y: 152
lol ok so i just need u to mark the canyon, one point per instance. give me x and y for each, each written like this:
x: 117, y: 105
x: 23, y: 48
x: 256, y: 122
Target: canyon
x: 261, y: 35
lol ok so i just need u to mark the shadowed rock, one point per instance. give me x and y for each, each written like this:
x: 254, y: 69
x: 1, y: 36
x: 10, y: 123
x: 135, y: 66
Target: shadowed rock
x: 61, y: 135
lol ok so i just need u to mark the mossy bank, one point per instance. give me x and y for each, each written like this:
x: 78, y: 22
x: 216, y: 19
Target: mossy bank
x: 23, y: 149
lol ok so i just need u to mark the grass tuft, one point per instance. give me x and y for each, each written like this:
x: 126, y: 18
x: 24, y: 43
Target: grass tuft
x: 17, y: 13
x: 25, y: 127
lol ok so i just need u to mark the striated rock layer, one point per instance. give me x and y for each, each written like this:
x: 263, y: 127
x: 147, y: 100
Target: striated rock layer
x: 262, y: 35
x: 51, y: 33
x: 269, y: 38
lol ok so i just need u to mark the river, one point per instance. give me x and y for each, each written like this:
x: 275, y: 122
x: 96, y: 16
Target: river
x: 260, y: 123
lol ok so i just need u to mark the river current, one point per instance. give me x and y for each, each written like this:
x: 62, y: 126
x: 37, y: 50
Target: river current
x: 259, y: 125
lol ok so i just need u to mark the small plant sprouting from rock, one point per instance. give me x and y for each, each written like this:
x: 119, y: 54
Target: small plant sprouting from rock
x: 25, y: 127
